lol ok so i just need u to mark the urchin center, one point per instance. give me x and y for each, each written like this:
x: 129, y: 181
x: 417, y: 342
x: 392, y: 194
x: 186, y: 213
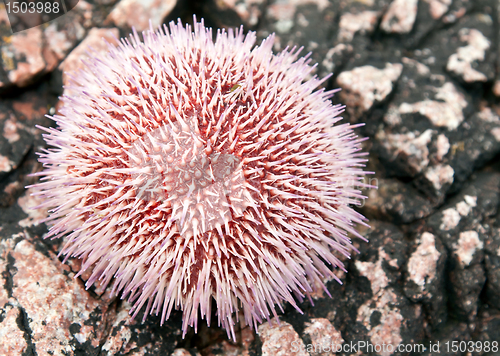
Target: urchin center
x: 171, y: 166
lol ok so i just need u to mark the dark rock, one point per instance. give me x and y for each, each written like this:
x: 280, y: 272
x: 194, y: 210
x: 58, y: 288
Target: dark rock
x: 487, y: 332
x: 423, y: 75
x: 492, y: 265
x: 474, y: 145
x: 359, y: 19
x: 383, y: 312
x: 460, y: 227
x: 466, y: 283
x: 425, y: 276
x: 434, y: 142
x: 440, y: 341
x: 19, y: 138
x: 136, y: 337
x: 467, y: 209
x: 413, y: 140
x: 433, y: 15
x: 235, y: 13
x: 301, y: 24
x: 395, y: 201
x: 467, y: 53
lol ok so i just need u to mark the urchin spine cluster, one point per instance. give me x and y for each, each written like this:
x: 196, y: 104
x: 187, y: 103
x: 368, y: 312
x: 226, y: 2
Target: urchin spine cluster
x: 188, y: 169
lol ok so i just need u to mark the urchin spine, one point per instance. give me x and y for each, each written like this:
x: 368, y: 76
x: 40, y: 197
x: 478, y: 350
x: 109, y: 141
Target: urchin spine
x: 131, y: 181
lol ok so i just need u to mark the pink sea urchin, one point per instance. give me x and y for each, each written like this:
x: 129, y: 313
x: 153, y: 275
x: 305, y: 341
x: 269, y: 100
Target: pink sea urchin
x: 187, y: 169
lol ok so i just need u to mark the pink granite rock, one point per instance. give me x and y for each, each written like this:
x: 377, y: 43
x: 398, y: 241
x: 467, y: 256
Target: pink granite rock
x: 25, y: 56
x: 46, y: 311
x: 138, y: 14
x: 97, y: 40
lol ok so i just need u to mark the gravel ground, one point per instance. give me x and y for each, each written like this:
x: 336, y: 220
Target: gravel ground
x: 424, y: 75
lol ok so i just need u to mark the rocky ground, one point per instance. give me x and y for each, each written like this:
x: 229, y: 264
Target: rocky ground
x: 424, y: 75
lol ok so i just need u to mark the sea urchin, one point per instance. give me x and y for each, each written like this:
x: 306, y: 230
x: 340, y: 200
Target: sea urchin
x: 187, y: 169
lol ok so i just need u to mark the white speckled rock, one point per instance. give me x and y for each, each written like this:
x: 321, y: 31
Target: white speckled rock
x: 280, y: 340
